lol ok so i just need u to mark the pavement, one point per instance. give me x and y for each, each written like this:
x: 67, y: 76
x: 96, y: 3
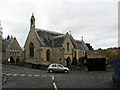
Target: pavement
x: 22, y: 77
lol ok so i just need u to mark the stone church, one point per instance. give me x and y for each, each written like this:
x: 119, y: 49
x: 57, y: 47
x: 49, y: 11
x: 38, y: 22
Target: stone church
x: 46, y: 47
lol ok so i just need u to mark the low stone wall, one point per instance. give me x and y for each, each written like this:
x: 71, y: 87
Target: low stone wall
x: 78, y: 68
x: 36, y: 66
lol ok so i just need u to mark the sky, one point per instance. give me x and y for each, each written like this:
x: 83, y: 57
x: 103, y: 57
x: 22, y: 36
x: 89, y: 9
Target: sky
x: 95, y: 20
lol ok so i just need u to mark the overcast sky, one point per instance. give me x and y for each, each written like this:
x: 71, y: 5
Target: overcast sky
x: 96, y: 21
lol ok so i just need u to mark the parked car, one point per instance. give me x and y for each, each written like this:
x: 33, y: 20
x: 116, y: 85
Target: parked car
x: 57, y: 68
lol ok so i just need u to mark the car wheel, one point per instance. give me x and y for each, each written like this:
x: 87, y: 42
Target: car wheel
x: 50, y: 71
x: 66, y: 71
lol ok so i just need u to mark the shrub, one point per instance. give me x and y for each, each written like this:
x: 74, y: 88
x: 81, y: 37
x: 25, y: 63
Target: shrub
x: 74, y: 61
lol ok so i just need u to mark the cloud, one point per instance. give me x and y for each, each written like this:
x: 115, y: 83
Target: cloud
x: 96, y: 22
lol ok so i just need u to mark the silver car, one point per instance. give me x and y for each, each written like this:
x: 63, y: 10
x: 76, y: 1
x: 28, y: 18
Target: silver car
x: 57, y: 68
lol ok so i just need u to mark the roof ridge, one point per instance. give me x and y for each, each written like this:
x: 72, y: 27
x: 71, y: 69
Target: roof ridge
x: 58, y: 36
x: 38, y: 29
x: 78, y: 40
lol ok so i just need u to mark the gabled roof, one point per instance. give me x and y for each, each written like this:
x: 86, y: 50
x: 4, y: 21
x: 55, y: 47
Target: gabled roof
x: 47, y: 37
x: 81, y: 45
x: 58, y: 40
x: 96, y: 54
x: 73, y: 42
x: 5, y: 44
x: 55, y: 39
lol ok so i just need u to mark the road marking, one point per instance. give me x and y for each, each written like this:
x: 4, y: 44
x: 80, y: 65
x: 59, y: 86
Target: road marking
x: 30, y: 75
x: 98, y: 77
x: 85, y: 77
x: 55, y: 86
x: 22, y: 75
x: 92, y: 77
x: 43, y: 76
x: 36, y: 75
x: 15, y: 74
x: 53, y: 77
x: 8, y: 74
x: 3, y: 73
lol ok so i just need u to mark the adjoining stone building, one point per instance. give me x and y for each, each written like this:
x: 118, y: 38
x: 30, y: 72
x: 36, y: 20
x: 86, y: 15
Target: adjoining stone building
x: 11, y: 51
x: 46, y: 47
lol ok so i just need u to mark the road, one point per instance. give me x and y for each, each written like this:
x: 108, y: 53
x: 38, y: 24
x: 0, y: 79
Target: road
x: 23, y: 77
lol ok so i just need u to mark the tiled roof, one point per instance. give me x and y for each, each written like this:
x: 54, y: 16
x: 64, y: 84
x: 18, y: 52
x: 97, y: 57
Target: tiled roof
x: 95, y: 54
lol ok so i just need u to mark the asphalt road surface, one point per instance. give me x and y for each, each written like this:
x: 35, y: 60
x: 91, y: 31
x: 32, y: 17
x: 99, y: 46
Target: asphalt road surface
x: 23, y: 77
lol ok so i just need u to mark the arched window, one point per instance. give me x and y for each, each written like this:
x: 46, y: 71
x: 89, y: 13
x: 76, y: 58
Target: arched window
x: 68, y: 46
x: 31, y: 49
x: 75, y: 53
x: 48, y: 55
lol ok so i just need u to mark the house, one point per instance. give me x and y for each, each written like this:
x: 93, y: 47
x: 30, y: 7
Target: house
x: 11, y: 51
x: 46, y: 47
x: 96, y: 60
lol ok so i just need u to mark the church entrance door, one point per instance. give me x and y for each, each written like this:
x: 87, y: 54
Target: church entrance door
x: 68, y: 62
x: 12, y: 61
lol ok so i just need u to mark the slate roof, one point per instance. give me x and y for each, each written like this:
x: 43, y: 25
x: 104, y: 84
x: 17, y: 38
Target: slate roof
x: 95, y: 54
x: 47, y: 37
x: 58, y: 40
x: 55, y: 39
x: 81, y: 45
x: 5, y: 44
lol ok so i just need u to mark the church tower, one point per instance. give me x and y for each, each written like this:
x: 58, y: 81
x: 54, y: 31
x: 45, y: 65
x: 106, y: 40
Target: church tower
x: 32, y: 21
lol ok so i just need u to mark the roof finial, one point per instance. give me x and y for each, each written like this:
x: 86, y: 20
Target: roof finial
x: 82, y: 37
x: 32, y: 14
x: 70, y: 32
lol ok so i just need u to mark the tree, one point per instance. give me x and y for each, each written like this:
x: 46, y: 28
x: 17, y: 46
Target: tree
x: 74, y: 61
x: 99, y: 48
x: 8, y: 37
x: 81, y: 60
x: 89, y: 46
